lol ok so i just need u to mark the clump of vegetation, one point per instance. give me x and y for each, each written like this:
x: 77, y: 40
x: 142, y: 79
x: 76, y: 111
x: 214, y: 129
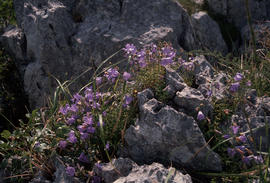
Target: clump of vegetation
x: 90, y: 123
x: 7, y: 14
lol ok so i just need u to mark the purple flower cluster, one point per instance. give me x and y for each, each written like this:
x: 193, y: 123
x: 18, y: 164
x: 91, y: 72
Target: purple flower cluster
x: 240, y: 149
x: 164, y: 55
x: 111, y: 74
x: 238, y: 78
x: 70, y: 171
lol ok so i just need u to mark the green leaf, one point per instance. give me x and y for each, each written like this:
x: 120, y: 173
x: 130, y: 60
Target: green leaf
x: 5, y: 134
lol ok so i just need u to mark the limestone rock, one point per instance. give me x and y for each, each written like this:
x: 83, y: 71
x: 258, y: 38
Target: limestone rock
x: 208, y: 32
x: 165, y: 135
x: 63, y: 38
x: 235, y: 10
x: 192, y: 100
x: 124, y: 170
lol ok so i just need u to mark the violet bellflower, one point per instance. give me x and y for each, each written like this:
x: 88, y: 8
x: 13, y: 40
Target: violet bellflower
x: 226, y: 136
x: 126, y: 76
x: 238, y: 77
x: 76, y: 98
x: 71, y: 137
x: 166, y: 61
x: 98, y: 80
x: 243, y: 138
x: 84, y: 136
x: 88, y: 120
x: 246, y: 159
x: 234, y: 87
x: 64, y: 109
x: 128, y: 99
x: 83, y: 158
x: 130, y: 49
x: 235, y: 129
x: 200, y: 116
x: 70, y: 171
x: 111, y: 74
x: 107, y: 146
x: 71, y: 120
x: 248, y: 83
x: 62, y: 144
x: 91, y: 129
x: 231, y: 152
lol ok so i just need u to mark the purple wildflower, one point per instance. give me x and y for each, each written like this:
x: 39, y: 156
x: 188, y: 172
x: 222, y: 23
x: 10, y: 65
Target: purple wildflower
x: 168, y: 51
x: 88, y: 120
x: 246, y: 160
x: 98, y: 95
x: 111, y: 74
x: 107, y: 146
x: 98, y: 165
x: 64, y: 110
x: 248, y: 83
x: 84, y: 136
x: 209, y: 93
x: 130, y: 49
x: 98, y: 80
x: 62, y: 144
x: 142, y: 63
x: 128, y: 100
x: 243, y: 138
x: 70, y: 171
x: 238, y: 77
x: 82, y: 128
x: 71, y: 120
x: 153, y: 48
x: 166, y: 61
x: 83, y: 158
x: 234, y: 87
x: 226, y: 136
x: 200, y: 116
x: 235, y: 129
x: 91, y: 130
x: 71, y: 137
x: 126, y: 76
x: 76, y: 98
x: 231, y: 152
x: 242, y: 148
x: 141, y: 55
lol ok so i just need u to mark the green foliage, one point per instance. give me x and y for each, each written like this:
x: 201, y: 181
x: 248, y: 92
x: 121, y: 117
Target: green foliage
x: 28, y: 148
x: 7, y: 15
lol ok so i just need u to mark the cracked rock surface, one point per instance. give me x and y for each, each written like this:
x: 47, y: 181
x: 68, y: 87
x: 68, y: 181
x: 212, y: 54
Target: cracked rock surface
x: 124, y: 170
x: 163, y: 134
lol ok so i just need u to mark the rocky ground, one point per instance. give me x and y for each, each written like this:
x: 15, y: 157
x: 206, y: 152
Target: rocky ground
x: 63, y: 38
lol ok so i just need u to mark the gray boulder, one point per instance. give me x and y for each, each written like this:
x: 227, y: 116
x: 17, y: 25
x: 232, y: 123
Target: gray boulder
x: 208, y: 33
x: 63, y: 38
x: 174, y: 82
x: 164, y: 134
x: 191, y: 100
x: 124, y: 170
x: 14, y: 41
x: 235, y: 10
